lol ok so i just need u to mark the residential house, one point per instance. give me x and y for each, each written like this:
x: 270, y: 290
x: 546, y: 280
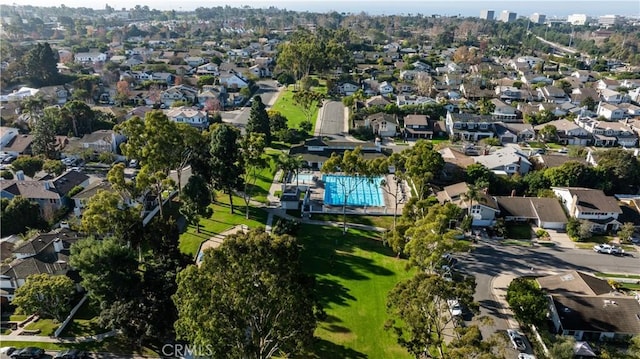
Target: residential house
x: 68, y: 181
x: 260, y: 71
x: 348, y: 88
x: 630, y: 109
x: 45, y: 253
x: 233, y: 80
x: 580, y: 94
x: 532, y: 79
x: 19, y: 95
x: 452, y: 79
x: 208, y: 69
x: 213, y: 94
x: 383, y: 124
x: 403, y: 100
x: 545, y: 213
x: 503, y: 111
x: 43, y: 193
x: 194, y: 61
x: 178, y: 93
x: 483, y: 210
x: 475, y: 92
x: 612, y: 96
x: 385, y: 88
x: 99, y: 141
x: 508, y: 132
x: 505, y: 161
x: 189, y: 115
x: 607, y: 84
x: 610, y: 111
x: 7, y: 134
x: 377, y: 101
x: 92, y: 57
x: 81, y: 199
x: 607, y: 134
x: 583, y: 75
x: 419, y: 126
x: 568, y: 132
x: 588, y: 308
x: 57, y: 95
x: 405, y: 87
x: 18, y: 145
x: 316, y: 151
x: 592, y: 205
x: 469, y: 127
x: 509, y: 93
x: 552, y: 94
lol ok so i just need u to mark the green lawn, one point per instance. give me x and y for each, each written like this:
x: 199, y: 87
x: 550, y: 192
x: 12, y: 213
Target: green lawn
x: 287, y: 107
x: 353, y: 273
x: 85, y: 322
x: 17, y: 317
x: 221, y: 220
x: 46, y: 326
x: 378, y: 221
x: 618, y: 275
x: 265, y: 176
x: 518, y: 231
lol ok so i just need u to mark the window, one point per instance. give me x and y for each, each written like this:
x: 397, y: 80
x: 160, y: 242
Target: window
x: 483, y: 126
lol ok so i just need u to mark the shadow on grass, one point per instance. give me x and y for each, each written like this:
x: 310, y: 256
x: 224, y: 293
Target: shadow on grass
x: 331, y: 292
x: 326, y: 349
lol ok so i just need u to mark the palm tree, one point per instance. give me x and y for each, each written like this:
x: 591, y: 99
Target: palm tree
x: 289, y: 163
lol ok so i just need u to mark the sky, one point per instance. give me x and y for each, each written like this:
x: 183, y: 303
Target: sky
x: 555, y: 8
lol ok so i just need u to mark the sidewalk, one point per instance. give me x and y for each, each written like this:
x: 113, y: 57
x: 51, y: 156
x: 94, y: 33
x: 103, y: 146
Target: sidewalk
x: 43, y: 339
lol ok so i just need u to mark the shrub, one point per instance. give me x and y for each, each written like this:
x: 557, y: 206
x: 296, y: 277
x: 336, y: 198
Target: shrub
x: 541, y: 233
x: 6, y: 175
x: 363, y: 133
x: 285, y: 226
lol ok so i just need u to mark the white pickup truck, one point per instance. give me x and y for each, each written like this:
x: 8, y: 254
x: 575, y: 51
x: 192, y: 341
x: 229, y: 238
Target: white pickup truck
x: 608, y: 249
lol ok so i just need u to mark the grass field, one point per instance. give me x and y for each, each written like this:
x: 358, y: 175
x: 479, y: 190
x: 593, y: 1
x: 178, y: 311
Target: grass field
x: 353, y: 273
x: 85, y: 322
x: 46, y: 326
x: 221, y: 220
x: 265, y: 176
x: 518, y: 231
x: 378, y: 221
x: 287, y: 107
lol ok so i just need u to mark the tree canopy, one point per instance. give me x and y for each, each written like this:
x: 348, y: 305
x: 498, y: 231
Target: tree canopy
x: 47, y: 295
x: 226, y: 160
x: 18, y: 215
x: 249, y: 298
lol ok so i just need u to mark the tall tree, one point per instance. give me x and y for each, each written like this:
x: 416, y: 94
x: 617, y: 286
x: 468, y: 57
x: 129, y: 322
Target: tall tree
x: 259, y: 119
x: 354, y: 171
x: 308, y: 101
x: 393, y: 184
x: 108, y: 269
x: 252, y: 147
x: 108, y: 214
x: 423, y: 163
x: 290, y: 164
x: 226, y: 160
x: 41, y: 64
x: 419, y: 312
x: 159, y: 145
x: 44, y: 135
x: 46, y: 295
x: 29, y: 165
x: 196, y: 199
x: 19, y: 215
x: 527, y: 300
x: 253, y: 299
x: 54, y: 167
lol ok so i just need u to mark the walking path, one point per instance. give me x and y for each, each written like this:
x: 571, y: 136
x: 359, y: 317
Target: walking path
x: 42, y: 339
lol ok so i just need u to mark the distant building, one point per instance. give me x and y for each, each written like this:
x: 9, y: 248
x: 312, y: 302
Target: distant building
x: 538, y: 18
x: 487, y: 14
x: 508, y: 16
x: 578, y: 19
x: 609, y: 20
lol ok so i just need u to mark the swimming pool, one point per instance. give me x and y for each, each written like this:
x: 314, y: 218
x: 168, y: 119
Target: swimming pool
x: 366, y: 193
x: 303, y: 178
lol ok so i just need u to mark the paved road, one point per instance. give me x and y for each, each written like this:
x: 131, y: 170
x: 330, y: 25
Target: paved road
x: 491, y: 261
x: 268, y: 92
x: 331, y: 119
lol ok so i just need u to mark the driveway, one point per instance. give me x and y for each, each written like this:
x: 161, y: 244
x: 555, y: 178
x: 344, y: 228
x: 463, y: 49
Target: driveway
x: 332, y: 119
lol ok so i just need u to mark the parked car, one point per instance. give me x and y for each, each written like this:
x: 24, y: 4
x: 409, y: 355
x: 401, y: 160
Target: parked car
x: 454, y: 307
x: 526, y: 356
x: 9, y: 159
x: 516, y: 340
x: 133, y: 163
x: 71, y: 354
x: 7, y: 350
x: 27, y: 353
x: 608, y: 249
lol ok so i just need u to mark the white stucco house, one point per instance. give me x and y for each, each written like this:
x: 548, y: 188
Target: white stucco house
x: 592, y: 205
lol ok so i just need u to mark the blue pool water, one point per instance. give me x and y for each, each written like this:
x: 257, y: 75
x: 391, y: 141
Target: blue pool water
x: 306, y: 178
x: 366, y: 193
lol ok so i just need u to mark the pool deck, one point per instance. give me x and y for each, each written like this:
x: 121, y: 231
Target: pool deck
x: 390, y: 193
